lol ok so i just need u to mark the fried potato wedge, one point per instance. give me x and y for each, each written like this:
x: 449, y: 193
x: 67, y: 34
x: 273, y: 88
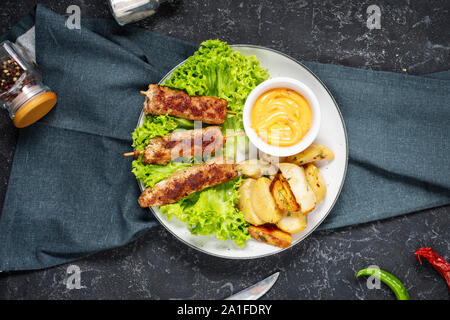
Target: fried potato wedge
x: 293, y: 222
x: 282, y: 194
x: 314, y: 152
x: 255, y: 168
x: 295, y: 175
x: 316, y: 181
x: 271, y: 235
x: 271, y: 159
x: 262, y: 201
x: 245, y: 204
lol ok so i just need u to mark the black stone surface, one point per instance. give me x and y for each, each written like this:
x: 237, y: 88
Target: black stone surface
x: 414, y: 38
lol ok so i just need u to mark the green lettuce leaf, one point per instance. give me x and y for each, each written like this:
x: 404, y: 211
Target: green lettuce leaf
x: 217, y: 70
x: 212, y: 212
x: 152, y: 126
x: 234, y: 124
x: 150, y: 174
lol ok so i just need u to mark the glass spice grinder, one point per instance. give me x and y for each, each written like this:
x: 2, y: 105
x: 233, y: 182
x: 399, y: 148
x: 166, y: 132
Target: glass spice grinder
x: 22, y: 92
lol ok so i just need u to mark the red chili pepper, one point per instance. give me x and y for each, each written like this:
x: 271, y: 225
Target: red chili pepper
x: 438, y: 263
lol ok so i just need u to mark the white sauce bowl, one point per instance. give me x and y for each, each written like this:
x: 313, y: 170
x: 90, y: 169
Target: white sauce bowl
x: 295, y: 85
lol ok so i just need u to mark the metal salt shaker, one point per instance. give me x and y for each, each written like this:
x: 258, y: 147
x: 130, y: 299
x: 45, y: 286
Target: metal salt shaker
x: 128, y: 11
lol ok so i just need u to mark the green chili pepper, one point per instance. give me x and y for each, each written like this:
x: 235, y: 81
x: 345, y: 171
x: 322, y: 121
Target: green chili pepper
x: 392, y: 282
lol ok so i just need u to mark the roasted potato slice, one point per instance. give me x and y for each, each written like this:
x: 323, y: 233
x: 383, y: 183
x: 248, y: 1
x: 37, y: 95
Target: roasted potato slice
x: 314, y: 152
x: 282, y: 194
x: 245, y: 204
x: 293, y: 222
x: 271, y: 235
x: 255, y: 168
x: 271, y: 159
x: 262, y: 201
x: 316, y: 181
x: 295, y: 175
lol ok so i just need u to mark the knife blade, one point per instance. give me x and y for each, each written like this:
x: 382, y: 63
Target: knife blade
x: 257, y: 290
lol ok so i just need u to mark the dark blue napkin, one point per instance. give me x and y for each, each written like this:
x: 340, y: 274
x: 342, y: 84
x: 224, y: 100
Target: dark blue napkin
x: 71, y: 193
x: 399, y: 142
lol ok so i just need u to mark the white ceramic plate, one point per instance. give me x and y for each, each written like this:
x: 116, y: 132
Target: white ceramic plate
x: 332, y: 133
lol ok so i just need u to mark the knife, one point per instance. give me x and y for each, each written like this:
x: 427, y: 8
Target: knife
x: 257, y: 290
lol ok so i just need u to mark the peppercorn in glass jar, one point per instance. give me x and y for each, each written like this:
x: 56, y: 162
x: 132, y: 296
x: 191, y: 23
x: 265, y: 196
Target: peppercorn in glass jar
x: 22, y: 92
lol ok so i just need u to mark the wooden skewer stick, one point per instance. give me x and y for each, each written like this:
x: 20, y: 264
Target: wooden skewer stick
x: 138, y: 152
x: 129, y: 154
x: 237, y: 134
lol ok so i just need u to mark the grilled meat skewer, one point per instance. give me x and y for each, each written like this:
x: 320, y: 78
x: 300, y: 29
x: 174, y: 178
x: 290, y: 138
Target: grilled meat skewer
x: 163, y: 100
x: 184, y: 182
x: 190, y: 143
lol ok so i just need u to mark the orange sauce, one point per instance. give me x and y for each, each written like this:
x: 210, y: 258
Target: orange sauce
x: 281, y: 117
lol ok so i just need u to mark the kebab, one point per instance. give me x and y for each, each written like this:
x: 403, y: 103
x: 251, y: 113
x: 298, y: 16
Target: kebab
x: 184, y: 182
x: 190, y: 143
x: 164, y: 100
x: 201, y: 176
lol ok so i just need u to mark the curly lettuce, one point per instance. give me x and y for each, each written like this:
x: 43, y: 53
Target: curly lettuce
x: 212, y: 212
x: 151, y: 174
x: 234, y: 124
x: 152, y: 126
x: 219, y: 71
